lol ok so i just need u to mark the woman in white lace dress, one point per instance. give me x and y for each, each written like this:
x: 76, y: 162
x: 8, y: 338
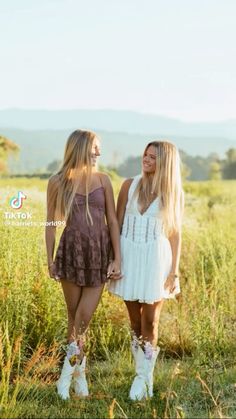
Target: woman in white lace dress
x: 149, y: 211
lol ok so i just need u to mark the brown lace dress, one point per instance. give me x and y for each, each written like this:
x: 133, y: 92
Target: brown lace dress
x: 82, y: 256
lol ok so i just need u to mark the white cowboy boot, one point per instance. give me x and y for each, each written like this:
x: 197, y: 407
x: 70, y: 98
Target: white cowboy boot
x: 134, y: 348
x: 138, y: 389
x: 150, y: 360
x: 63, y: 384
x: 145, y: 362
x: 80, y: 382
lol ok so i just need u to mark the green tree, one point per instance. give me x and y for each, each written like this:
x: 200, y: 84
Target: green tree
x: 231, y: 155
x: 215, y: 171
x: 54, y: 166
x: 229, y: 165
x: 130, y: 167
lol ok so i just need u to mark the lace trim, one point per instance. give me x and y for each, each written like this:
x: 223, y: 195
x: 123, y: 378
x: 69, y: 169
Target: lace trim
x: 127, y: 229
x: 147, y: 230
x: 134, y: 228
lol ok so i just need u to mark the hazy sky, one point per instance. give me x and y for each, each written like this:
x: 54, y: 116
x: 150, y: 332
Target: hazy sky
x: 169, y: 57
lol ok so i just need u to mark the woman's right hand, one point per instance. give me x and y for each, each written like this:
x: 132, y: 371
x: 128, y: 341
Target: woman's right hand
x: 113, y: 270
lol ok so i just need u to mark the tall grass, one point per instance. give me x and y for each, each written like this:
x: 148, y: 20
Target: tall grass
x: 198, y: 329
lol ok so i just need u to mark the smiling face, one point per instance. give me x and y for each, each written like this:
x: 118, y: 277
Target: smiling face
x: 95, y: 151
x: 149, y: 160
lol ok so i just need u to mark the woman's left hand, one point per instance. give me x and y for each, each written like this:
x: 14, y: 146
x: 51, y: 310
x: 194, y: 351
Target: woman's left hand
x: 170, y: 283
x: 113, y: 270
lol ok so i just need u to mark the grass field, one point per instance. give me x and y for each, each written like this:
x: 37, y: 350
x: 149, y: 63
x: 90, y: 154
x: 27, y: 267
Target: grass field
x: 195, y: 375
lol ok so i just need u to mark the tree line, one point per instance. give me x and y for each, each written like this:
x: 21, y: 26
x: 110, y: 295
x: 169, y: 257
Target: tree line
x: 193, y: 167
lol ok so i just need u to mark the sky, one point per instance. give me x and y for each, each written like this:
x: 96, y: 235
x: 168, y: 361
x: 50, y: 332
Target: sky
x: 175, y: 58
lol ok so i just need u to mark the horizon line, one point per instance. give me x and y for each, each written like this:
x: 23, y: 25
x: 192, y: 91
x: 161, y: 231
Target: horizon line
x: 153, y: 114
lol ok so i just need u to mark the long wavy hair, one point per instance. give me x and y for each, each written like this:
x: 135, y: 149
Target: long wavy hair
x: 75, y: 167
x: 165, y: 183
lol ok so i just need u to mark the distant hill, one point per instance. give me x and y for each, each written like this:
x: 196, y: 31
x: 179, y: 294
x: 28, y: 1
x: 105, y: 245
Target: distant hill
x: 42, y: 134
x: 39, y: 148
x: 114, y: 121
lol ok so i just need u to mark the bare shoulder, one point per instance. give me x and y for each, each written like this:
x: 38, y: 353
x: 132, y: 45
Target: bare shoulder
x: 126, y: 185
x: 123, y: 196
x: 105, y: 179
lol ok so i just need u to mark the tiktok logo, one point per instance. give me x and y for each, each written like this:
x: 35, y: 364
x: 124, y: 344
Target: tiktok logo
x: 17, y: 202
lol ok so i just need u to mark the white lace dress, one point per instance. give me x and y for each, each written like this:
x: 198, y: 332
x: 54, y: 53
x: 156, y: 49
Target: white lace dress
x: 145, y: 252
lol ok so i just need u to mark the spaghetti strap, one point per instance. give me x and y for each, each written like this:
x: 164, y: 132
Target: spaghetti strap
x: 100, y: 178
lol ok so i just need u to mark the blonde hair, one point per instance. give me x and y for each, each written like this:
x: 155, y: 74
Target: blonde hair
x: 76, y: 165
x: 165, y: 183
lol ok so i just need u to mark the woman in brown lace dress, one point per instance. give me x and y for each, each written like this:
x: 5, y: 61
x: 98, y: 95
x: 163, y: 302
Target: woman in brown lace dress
x: 83, y: 198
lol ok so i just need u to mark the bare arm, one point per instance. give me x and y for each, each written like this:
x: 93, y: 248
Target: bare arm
x: 50, y: 230
x: 122, y: 201
x: 175, y: 241
x: 111, y: 217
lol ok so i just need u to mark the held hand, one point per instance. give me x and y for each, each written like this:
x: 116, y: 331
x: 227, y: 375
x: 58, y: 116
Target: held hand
x: 170, y: 283
x: 113, y: 270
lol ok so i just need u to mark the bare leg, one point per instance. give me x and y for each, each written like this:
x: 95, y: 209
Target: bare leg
x: 150, y: 321
x: 81, y: 304
x: 72, y: 294
x: 135, y: 309
x: 88, y: 303
x: 90, y: 297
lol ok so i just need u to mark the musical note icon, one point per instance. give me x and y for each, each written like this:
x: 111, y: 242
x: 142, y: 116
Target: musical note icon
x: 17, y: 202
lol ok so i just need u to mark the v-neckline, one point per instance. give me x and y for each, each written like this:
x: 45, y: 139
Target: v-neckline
x: 146, y: 208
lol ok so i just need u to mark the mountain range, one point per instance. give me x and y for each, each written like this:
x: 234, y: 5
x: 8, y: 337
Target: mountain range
x: 42, y: 134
